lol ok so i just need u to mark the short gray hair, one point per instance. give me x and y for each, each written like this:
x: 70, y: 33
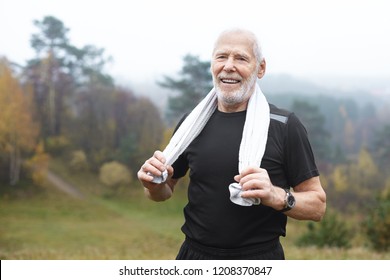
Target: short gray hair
x: 257, y: 51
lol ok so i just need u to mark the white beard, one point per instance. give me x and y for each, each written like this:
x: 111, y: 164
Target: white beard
x: 238, y: 96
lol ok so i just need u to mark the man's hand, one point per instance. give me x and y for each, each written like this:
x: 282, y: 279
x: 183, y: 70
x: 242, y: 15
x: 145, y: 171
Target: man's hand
x: 153, y: 166
x: 156, y: 166
x: 256, y: 183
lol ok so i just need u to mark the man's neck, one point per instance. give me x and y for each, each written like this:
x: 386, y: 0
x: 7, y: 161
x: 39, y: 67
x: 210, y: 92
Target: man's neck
x: 232, y: 108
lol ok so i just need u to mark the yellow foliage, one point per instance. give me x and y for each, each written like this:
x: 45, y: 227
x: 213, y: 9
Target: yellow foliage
x: 39, y: 165
x: 324, y: 182
x: 366, y: 164
x: 78, y: 161
x: 57, y: 143
x: 349, y: 132
x: 18, y: 132
x: 340, y: 178
x: 17, y: 129
x: 166, y: 137
x: 113, y: 174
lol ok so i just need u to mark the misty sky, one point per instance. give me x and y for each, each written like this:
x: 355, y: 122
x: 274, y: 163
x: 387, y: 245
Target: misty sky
x: 148, y: 38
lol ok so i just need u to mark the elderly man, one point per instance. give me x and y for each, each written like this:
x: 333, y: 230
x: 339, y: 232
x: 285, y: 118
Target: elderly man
x: 264, y: 149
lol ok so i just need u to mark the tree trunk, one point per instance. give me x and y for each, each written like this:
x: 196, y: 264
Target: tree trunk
x: 15, y: 163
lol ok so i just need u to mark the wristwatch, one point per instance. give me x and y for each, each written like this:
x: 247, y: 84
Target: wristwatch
x: 289, y: 201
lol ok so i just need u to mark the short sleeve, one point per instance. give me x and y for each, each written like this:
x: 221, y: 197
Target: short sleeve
x: 300, y: 160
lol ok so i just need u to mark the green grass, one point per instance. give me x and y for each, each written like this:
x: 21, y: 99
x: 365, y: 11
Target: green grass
x: 52, y: 225
x: 358, y: 250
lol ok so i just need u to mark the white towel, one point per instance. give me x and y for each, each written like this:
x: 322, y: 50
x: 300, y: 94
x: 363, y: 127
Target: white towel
x: 253, y: 142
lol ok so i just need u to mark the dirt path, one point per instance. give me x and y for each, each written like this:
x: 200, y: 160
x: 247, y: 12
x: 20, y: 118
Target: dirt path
x: 63, y: 186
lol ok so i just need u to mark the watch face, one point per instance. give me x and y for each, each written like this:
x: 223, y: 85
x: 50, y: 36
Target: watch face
x: 291, y: 200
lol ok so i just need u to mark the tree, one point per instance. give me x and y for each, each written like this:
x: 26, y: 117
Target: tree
x: 53, y: 36
x: 112, y: 124
x: 146, y: 129
x: 92, y: 127
x: 194, y: 83
x: 381, y: 146
x: 324, y: 234
x: 377, y: 223
x: 52, y: 41
x: 365, y: 174
x: 355, y: 182
x: 18, y: 132
x: 58, y: 71
x: 340, y: 178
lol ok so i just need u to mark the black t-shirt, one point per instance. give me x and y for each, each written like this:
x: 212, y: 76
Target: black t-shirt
x: 212, y: 158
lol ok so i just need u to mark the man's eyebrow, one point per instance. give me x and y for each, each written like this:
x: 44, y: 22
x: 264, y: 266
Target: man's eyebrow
x: 236, y: 54
x: 219, y: 52
x: 243, y: 55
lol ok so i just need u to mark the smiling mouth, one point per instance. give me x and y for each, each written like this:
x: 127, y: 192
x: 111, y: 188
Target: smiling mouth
x: 230, y: 81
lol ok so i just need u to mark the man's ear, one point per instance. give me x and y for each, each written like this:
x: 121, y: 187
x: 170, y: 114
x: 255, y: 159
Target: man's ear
x: 262, y: 68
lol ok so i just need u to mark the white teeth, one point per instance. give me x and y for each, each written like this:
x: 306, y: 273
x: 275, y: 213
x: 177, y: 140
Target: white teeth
x: 230, y: 81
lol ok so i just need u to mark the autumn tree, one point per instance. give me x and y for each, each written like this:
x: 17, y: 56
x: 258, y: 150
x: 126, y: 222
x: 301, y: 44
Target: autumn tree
x: 145, y: 131
x: 354, y: 183
x: 18, y: 132
x: 92, y: 126
x: 114, y: 124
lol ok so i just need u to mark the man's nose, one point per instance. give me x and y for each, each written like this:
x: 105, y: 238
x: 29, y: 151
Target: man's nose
x: 229, y: 65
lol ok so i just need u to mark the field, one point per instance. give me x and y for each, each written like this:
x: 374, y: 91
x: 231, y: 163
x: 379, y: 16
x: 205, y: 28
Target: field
x: 53, y: 225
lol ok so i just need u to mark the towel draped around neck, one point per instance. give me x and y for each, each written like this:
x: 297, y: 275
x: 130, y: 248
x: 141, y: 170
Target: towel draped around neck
x: 253, y: 141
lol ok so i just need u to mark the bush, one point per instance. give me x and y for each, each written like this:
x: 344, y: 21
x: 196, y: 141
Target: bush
x: 114, y: 174
x: 377, y: 223
x: 57, y: 145
x: 38, y: 165
x: 330, y: 232
x: 78, y: 161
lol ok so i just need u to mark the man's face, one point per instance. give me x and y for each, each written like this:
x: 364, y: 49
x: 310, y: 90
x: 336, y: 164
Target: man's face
x: 234, y: 68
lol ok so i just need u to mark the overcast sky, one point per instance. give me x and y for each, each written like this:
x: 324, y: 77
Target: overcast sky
x: 148, y: 38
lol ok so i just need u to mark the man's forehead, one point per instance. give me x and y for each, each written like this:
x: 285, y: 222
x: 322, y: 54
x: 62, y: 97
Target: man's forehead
x: 234, y: 43
x: 239, y: 49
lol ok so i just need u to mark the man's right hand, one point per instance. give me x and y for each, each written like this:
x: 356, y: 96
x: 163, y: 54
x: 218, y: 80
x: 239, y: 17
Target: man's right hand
x: 154, y: 166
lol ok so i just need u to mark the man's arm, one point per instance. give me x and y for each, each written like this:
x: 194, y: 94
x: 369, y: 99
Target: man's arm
x: 310, y: 200
x: 309, y: 195
x: 161, y: 192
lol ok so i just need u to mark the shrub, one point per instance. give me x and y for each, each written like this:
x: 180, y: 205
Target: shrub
x: 330, y: 232
x: 38, y: 165
x: 78, y: 161
x: 377, y: 223
x: 114, y: 174
x: 57, y: 145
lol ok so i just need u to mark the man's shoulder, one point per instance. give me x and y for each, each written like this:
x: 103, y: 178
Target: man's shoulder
x: 278, y: 114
